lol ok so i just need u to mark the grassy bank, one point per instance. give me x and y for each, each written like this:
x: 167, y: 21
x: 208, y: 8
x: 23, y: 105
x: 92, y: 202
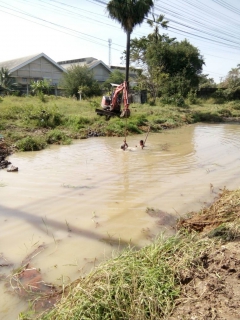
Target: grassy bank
x: 31, y: 124
x: 152, y: 283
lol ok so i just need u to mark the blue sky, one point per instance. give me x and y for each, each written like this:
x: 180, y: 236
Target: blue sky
x: 73, y: 29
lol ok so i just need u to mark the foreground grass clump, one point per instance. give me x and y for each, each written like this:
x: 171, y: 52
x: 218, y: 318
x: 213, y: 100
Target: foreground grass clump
x: 136, y: 285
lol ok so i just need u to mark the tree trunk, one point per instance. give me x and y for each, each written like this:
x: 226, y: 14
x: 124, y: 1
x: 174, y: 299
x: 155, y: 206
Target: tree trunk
x: 127, y: 55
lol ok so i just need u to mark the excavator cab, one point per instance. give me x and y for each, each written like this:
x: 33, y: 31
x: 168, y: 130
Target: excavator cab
x: 106, y: 103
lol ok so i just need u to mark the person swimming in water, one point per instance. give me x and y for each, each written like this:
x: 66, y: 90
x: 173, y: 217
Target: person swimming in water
x: 142, y: 144
x: 124, y: 146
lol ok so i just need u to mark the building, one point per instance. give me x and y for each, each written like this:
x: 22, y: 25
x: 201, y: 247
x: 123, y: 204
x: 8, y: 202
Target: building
x: 100, y: 70
x: 32, y: 68
x: 39, y: 67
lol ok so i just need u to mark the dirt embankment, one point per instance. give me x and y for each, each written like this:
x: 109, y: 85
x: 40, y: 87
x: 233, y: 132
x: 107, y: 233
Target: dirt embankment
x: 212, y: 291
x: 4, y: 152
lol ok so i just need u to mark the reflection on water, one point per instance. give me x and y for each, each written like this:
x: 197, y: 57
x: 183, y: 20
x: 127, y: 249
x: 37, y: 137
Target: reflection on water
x: 89, y: 198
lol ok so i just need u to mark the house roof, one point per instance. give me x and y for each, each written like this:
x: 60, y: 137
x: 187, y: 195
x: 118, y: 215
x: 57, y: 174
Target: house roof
x: 15, y: 64
x: 89, y: 61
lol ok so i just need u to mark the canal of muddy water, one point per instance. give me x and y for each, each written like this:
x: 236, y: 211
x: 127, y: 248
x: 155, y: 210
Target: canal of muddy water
x: 86, y: 201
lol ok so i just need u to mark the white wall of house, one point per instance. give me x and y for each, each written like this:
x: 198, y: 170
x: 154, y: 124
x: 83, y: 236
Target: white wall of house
x: 36, y: 70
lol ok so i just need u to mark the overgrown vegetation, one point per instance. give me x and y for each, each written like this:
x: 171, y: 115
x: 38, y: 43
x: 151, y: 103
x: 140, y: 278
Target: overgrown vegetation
x: 30, y: 124
x: 136, y: 285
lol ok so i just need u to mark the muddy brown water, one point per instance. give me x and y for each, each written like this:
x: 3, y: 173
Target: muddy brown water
x: 87, y: 200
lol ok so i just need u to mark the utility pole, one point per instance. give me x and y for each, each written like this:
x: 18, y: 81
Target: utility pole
x: 109, y: 54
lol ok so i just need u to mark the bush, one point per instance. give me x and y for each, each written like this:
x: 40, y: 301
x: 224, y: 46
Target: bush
x: 132, y: 127
x: 176, y: 100
x: 44, y: 117
x: 141, y: 120
x: 167, y: 100
x: 192, y: 97
x: 219, y: 96
x: 57, y: 137
x: 31, y: 144
x: 225, y: 112
x: 206, y: 117
x: 77, y: 122
x: 2, y: 126
x: 235, y: 105
x: 179, y: 101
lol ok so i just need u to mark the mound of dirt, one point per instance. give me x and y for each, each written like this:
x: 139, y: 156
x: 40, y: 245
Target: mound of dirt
x: 225, y: 209
x: 212, y: 292
x: 211, y: 289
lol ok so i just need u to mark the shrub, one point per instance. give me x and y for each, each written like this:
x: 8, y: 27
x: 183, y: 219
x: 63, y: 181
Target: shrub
x: 57, y: 137
x: 132, y: 127
x: 141, y: 120
x: 2, y: 126
x: 43, y: 117
x: 225, y: 112
x: 219, y: 96
x: 192, y: 97
x: 206, y: 117
x: 179, y: 101
x: 167, y: 100
x: 31, y: 144
x: 235, y: 104
x: 77, y: 122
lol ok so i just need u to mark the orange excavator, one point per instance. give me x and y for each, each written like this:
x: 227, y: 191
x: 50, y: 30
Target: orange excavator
x: 111, y: 105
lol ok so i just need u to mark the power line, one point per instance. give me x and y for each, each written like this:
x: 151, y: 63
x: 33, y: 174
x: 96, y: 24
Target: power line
x: 55, y: 24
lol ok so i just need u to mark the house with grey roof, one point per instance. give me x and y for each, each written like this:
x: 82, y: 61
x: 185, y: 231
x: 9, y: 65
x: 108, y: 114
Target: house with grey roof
x: 32, y: 68
x: 39, y: 67
x: 100, y: 70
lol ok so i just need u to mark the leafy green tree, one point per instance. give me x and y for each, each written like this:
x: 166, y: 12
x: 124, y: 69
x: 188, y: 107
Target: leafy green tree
x: 6, y: 81
x: 232, y: 80
x: 80, y: 78
x: 205, y: 82
x: 115, y: 77
x: 168, y: 67
x: 231, y: 84
x: 129, y: 13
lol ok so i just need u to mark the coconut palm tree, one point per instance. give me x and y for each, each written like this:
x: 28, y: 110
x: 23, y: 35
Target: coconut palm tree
x: 129, y: 13
x: 155, y: 23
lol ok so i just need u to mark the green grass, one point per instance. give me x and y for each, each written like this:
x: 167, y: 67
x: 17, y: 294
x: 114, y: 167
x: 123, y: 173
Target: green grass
x: 24, y: 120
x: 140, y: 284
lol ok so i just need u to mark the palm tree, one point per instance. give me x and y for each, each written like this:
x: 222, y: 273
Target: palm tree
x: 155, y: 23
x: 129, y: 13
